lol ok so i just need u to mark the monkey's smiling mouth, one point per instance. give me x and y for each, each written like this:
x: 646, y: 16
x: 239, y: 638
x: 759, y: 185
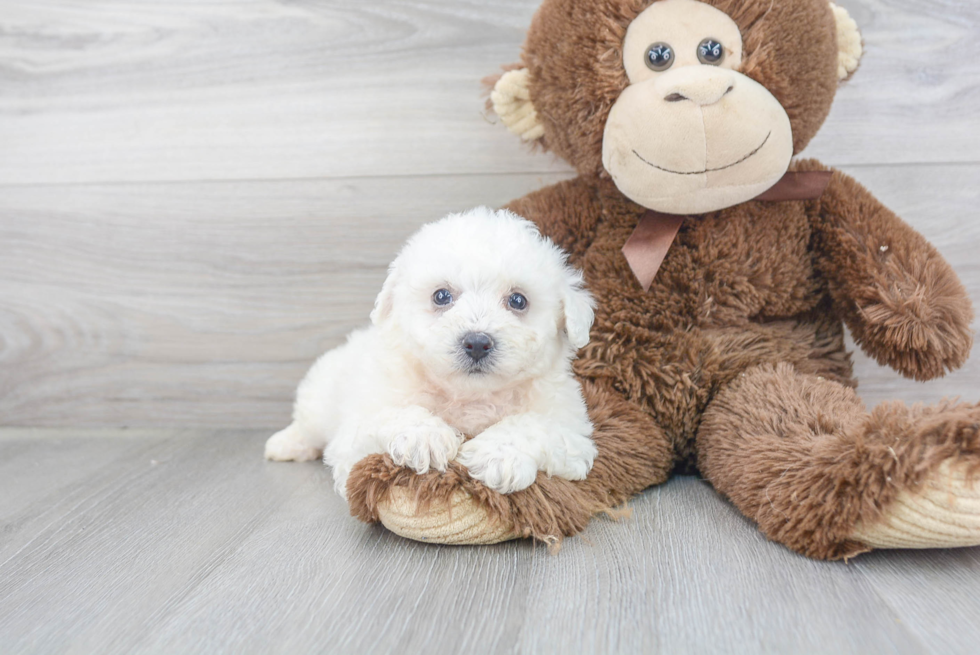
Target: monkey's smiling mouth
x: 707, y: 170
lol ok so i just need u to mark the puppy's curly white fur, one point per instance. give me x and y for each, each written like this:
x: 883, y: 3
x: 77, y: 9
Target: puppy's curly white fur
x: 473, y: 333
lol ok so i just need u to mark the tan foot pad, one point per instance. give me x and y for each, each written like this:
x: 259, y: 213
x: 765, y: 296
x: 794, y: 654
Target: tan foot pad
x: 944, y: 513
x: 460, y: 522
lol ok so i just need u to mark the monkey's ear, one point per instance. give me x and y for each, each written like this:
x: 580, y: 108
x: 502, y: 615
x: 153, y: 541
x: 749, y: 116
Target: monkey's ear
x: 512, y: 102
x: 849, y: 46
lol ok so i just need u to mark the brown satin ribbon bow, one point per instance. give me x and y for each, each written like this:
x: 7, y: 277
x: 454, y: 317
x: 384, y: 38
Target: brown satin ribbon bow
x: 647, y: 247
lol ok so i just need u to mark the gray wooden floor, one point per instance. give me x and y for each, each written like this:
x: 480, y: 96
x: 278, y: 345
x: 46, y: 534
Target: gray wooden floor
x: 186, y: 541
x: 198, y: 197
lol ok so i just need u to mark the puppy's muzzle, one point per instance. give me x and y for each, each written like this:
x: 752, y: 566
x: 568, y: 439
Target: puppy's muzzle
x: 477, y: 345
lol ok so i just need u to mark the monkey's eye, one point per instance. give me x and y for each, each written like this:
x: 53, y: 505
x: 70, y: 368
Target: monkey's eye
x: 517, y: 302
x: 442, y: 297
x: 711, y: 52
x: 659, y: 57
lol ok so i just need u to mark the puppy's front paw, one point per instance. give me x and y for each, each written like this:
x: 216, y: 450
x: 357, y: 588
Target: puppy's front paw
x: 575, y: 467
x: 497, y: 464
x: 429, y: 443
x: 289, y: 446
x: 577, y: 461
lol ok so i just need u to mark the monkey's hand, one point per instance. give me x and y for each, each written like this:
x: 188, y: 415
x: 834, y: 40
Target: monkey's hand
x: 901, y: 300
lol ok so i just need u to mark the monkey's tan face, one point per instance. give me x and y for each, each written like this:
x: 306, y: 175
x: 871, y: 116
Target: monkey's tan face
x: 691, y: 134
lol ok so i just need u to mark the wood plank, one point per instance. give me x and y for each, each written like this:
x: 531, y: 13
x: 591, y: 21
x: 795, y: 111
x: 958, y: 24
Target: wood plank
x: 131, y: 540
x: 132, y: 299
x: 203, y: 304
x: 933, y: 593
x: 721, y: 587
x: 120, y: 90
x: 653, y: 583
x: 214, y: 550
x: 42, y: 468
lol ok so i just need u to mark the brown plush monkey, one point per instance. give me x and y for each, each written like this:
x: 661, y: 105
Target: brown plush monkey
x: 682, y: 117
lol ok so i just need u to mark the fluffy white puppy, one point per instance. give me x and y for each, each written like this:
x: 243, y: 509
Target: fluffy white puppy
x: 473, y: 333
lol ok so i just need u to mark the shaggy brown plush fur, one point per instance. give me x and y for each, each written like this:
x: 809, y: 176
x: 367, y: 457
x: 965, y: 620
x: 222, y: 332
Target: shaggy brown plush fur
x: 899, y: 297
x: 733, y: 363
x: 800, y: 455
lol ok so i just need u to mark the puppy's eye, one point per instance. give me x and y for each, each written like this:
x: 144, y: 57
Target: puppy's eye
x: 517, y: 302
x: 711, y: 52
x: 442, y: 297
x: 659, y: 57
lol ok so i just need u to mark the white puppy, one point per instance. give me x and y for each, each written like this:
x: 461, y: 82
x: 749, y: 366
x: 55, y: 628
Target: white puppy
x: 473, y: 334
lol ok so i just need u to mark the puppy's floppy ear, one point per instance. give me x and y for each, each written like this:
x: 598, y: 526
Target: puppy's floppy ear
x: 577, y: 305
x: 385, y: 300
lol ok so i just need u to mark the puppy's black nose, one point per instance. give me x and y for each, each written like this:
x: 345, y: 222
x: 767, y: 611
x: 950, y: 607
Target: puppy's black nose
x: 477, y: 345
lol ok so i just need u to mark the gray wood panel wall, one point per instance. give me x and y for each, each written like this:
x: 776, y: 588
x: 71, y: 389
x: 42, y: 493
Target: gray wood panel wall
x: 197, y: 198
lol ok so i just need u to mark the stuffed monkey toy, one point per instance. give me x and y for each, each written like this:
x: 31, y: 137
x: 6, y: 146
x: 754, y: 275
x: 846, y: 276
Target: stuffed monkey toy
x: 724, y: 273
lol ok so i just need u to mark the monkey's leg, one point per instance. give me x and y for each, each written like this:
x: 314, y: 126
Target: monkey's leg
x: 802, y: 457
x: 451, y: 507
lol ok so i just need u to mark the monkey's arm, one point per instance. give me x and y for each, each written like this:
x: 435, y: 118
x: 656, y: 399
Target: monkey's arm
x: 901, y: 300
x: 566, y: 213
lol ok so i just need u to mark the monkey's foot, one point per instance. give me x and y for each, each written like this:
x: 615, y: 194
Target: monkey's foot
x: 452, y: 508
x: 944, y: 512
x: 458, y: 520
